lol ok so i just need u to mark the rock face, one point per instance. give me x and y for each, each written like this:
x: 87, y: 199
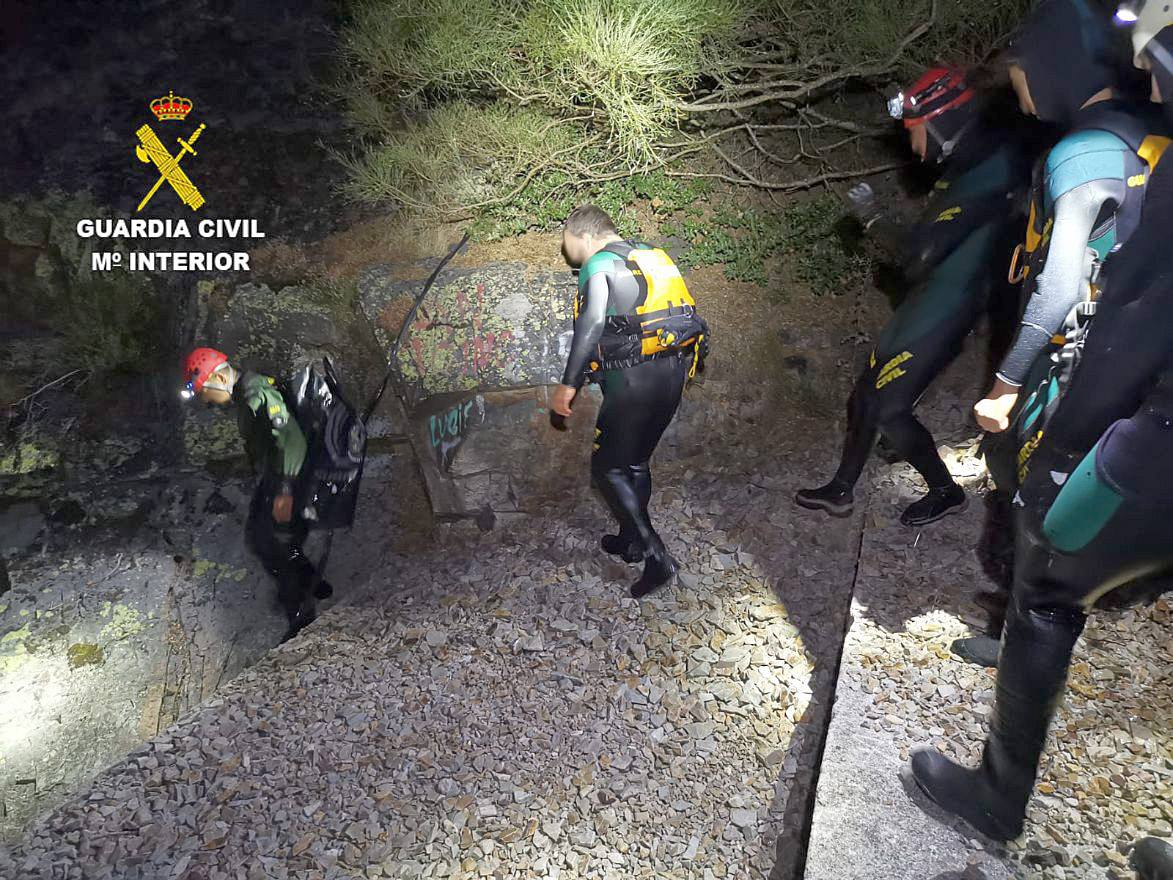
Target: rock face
x: 473, y: 368
x: 270, y: 330
x: 494, y: 327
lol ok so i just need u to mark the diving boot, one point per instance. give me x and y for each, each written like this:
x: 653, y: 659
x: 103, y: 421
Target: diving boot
x: 1032, y: 674
x: 835, y: 498
x: 935, y: 504
x: 992, y: 798
x: 1152, y: 859
x: 659, y: 569
x: 978, y: 650
x: 300, y: 618
x: 629, y: 550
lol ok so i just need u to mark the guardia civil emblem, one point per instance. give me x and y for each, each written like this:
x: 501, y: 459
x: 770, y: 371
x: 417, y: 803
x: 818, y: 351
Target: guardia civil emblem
x: 151, y: 151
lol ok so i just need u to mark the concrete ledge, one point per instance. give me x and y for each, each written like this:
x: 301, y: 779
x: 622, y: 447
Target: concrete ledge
x: 866, y: 825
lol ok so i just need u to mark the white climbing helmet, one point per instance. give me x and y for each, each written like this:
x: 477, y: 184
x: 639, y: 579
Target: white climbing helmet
x: 1147, y: 18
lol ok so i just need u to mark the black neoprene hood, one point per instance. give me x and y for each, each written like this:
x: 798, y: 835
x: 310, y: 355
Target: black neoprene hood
x: 1065, y: 50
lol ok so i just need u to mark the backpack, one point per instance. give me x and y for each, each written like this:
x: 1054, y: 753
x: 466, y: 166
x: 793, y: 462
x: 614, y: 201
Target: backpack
x: 336, y: 447
x: 665, y: 321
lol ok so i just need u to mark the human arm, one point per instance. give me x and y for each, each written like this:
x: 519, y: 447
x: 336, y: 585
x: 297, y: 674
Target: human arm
x: 1126, y: 349
x: 588, y: 330
x: 1058, y: 288
x: 883, y: 231
x: 1062, y: 282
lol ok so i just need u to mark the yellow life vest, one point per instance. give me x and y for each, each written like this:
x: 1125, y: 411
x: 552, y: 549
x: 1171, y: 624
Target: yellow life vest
x: 665, y: 320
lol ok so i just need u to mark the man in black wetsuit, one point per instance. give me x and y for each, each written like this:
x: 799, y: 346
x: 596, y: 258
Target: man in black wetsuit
x: 1096, y: 516
x: 1087, y: 200
x: 636, y: 330
x: 954, y: 266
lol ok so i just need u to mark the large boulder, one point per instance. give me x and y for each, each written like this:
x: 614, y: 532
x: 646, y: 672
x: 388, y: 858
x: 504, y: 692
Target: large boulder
x: 473, y: 370
x: 495, y: 327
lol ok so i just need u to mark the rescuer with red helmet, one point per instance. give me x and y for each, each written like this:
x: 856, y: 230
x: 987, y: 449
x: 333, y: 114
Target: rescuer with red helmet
x: 276, y: 447
x: 953, y: 268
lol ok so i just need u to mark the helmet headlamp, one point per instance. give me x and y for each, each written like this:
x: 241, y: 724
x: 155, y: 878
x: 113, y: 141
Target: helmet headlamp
x: 1128, y: 12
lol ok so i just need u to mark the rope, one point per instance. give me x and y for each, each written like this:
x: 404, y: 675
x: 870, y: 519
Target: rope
x: 407, y: 322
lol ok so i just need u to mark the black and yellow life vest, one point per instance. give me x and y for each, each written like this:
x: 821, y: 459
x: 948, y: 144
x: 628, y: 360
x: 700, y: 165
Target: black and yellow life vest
x: 665, y: 321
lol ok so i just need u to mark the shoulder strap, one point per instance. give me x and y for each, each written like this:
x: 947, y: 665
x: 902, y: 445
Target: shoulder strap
x: 1131, y: 123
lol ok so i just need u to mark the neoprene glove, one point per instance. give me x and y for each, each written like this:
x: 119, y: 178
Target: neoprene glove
x: 864, y: 206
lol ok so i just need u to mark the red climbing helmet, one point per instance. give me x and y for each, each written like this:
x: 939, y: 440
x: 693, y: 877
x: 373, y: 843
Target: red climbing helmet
x: 197, y: 367
x: 940, y: 89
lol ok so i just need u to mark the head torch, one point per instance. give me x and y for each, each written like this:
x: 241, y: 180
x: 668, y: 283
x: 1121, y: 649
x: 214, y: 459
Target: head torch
x: 188, y: 391
x: 1128, y: 12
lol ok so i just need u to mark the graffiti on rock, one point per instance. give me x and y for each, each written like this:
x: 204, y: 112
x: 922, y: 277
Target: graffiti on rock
x: 472, y: 350
x: 447, y: 429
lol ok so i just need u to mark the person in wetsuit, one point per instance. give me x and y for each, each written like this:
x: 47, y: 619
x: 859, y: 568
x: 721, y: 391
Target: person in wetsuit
x: 276, y: 449
x: 1096, y: 517
x: 1087, y: 198
x: 640, y: 394
x: 953, y: 264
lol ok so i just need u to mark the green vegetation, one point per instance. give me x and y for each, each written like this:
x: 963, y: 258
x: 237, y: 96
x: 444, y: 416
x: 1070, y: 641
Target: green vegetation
x: 82, y: 654
x: 549, y: 199
x: 508, y: 110
x: 108, y: 322
x: 748, y: 241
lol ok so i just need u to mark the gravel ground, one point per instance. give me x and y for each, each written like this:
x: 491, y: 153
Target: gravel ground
x: 497, y: 707
x: 504, y: 710
x: 1107, y: 775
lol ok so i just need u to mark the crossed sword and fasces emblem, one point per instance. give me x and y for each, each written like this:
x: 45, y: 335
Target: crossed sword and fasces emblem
x: 151, y: 149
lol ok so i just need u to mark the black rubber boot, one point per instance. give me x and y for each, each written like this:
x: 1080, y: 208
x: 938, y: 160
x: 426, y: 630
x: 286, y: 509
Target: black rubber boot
x: 659, y: 569
x: 835, y: 498
x: 935, y: 504
x: 300, y: 617
x: 978, y: 650
x: 1036, y: 652
x: 627, y: 544
x: 1152, y: 859
x: 626, y: 548
x: 621, y: 489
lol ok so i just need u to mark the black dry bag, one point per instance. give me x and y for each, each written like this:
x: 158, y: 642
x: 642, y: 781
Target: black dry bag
x: 336, y: 442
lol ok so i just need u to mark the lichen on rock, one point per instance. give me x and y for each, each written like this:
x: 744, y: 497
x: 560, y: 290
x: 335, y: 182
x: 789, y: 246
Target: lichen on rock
x: 84, y: 654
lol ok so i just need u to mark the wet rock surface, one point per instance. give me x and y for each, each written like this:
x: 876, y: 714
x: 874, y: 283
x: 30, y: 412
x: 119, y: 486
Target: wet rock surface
x: 490, y: 328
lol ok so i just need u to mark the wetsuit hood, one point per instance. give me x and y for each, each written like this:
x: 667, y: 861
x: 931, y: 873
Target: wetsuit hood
x: 1160, y: 53
x: 1065, y: 49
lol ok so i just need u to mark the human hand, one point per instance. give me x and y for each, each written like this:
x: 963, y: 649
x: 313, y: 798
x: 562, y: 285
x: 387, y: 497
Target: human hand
x: 563, y: 399
x: 993, y: 412
x: 862, y: 199
x: 283, y: 508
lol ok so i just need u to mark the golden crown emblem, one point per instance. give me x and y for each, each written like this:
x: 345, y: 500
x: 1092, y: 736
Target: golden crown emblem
x: 171, y: 107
